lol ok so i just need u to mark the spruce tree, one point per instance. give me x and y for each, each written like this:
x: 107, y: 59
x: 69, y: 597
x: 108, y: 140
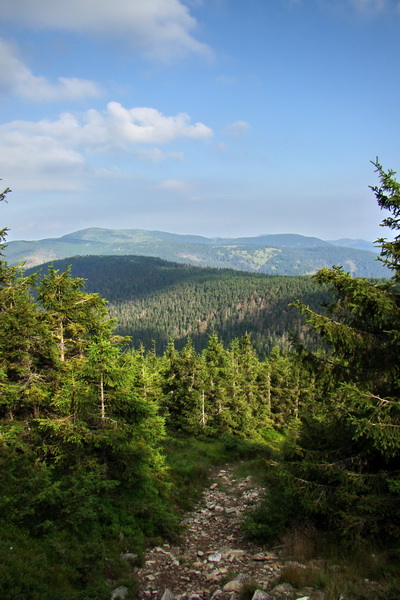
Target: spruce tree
x: 343, y: 469
x: 182, y: 389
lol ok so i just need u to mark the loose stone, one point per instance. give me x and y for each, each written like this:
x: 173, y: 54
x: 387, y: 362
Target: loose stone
x: 261, y: 595
x: 214, y: 557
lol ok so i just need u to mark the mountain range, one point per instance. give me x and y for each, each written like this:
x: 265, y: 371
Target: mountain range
x: 277, y: 254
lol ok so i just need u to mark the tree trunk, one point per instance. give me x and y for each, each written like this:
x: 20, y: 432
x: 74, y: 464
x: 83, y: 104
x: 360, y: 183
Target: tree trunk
x: 102, y: 401
x: 269, y: 393
x: 203, y: 410
x: 62, y: 343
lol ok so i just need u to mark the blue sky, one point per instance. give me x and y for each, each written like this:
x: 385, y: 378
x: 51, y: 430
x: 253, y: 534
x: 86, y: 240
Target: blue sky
x: 211, y: 117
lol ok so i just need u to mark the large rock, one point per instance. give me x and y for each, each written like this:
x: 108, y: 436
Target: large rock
x: 120, y: 593
x: 233, y: 586
x: 130, y: 557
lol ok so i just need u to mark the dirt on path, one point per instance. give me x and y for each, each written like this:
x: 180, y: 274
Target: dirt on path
x: 213, y: 553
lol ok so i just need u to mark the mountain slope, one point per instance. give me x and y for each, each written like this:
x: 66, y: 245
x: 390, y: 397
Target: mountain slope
x: 359, y: 244
x: 284, y: 254
x: 155, y: 300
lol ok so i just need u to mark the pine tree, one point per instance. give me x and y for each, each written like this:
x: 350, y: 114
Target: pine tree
x: 27, y: 350
x: 388, y: 198
x: 216, y: 386
x: 74, y: 314
x: 344, y: 467
x: 183, y: 397
x: 246, y: 404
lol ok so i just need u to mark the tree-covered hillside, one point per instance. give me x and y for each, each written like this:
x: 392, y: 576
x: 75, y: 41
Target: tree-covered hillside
x: 155, y: 301
x: 284, y: 254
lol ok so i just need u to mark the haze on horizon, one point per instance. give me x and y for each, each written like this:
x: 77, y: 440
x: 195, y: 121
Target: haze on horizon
x: 209, y: 117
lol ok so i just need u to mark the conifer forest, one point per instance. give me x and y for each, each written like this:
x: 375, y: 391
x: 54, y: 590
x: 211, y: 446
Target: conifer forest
x: 96, y: 397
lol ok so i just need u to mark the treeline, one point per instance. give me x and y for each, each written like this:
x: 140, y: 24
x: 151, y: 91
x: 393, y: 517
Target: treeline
x: 155, y: 301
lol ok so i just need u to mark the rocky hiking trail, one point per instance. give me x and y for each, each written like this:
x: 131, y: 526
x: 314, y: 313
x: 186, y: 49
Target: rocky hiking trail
x: 213, y: 559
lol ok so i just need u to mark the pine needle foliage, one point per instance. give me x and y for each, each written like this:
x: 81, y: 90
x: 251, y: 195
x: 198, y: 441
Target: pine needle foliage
x: 83, y: 476
x: 342, y: 468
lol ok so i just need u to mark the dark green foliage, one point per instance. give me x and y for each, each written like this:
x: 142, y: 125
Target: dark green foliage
x: 83, y: 477
x: 226, y: 391
x: 155, y: 301
x: 388, y: 197
x: 342, y: 467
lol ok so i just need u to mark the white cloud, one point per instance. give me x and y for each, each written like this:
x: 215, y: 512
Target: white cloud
x: 39, y: 163
x: 144, y: 125
x: 161, y: 29
x: 115, y: 127
x: 17, y: 78
x: 56, y: 154
x: 237, y: 128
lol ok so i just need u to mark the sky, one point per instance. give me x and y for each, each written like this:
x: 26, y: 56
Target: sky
x: 221, y: 118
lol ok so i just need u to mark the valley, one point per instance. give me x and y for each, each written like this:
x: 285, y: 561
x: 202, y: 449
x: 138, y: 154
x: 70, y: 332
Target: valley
x: 155, y: 301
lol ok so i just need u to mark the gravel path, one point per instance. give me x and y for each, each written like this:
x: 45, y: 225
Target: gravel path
x: 213, y: 550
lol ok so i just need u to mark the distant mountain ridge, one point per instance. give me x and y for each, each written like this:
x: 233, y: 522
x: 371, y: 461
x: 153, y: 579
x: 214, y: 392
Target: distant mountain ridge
x: 359, y: 244
x: 277, y: 254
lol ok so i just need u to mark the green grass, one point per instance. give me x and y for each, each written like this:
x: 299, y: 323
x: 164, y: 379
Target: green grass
x: 191, y: 461
x: 356, y: 570
x: 359, y: 572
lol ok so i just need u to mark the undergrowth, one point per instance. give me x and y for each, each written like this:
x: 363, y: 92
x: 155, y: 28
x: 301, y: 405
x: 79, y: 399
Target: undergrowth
x: 191, y: 461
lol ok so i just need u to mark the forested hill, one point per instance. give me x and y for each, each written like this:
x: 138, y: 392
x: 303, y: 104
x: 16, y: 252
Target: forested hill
x: 155, y: 300
x: 284, y: 254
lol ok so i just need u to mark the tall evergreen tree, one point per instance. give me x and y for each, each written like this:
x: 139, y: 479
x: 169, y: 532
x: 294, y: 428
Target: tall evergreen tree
x: 27, y: 351
x: 79, y: 453
x: 183, y: 394
x: 216, y: 388
x: 74, y: 314
x: 344, y: 466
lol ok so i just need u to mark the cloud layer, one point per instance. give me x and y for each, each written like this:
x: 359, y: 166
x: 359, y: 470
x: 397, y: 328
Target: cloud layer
x: 162, y: 29
x: 18, y: 79
x: 238, y: 128
x: 53, y: 151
